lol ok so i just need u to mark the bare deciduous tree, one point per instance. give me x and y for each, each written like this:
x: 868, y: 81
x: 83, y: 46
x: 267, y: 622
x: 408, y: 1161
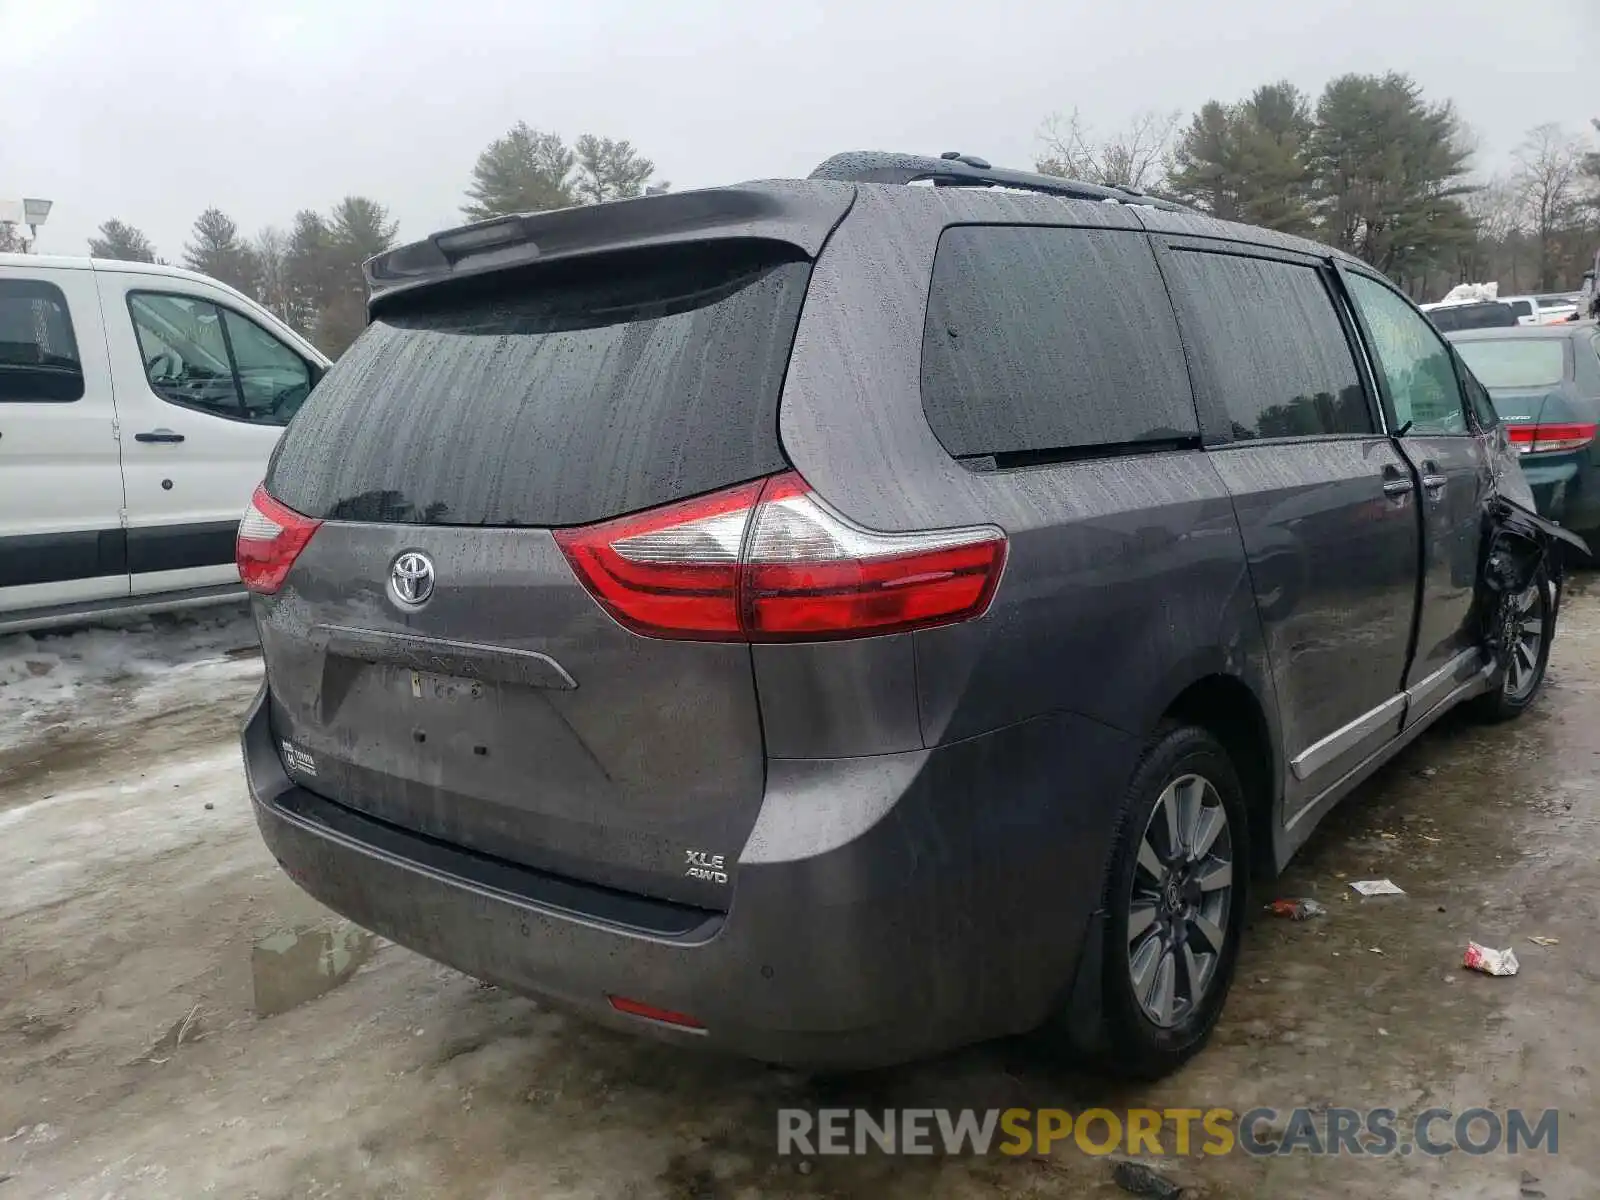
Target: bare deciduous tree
x: 1549, y: 168
x: 1137, y: 156
x: 272, y: 257
x: 1496, y: 250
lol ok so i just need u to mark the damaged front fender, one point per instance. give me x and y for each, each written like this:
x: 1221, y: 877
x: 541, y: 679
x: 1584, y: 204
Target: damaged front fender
x: 1520, y: 550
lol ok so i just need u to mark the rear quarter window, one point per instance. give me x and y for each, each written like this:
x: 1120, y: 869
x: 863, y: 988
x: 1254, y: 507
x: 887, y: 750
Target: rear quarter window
x: 1043, y: 341
x: 39, y: 360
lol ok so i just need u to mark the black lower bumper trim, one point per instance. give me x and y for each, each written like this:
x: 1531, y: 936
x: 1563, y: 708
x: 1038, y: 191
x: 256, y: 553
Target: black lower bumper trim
x: 625, y: 910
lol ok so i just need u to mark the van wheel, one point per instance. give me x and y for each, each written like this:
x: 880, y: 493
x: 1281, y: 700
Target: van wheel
x: 1175, y: 903
x: 1531, y: 629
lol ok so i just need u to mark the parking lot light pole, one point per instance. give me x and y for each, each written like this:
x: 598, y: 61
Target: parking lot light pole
x: 34, y: 214
x: 30, y: 212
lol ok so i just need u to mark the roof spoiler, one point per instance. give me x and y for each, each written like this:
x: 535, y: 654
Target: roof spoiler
x: 800, y: 215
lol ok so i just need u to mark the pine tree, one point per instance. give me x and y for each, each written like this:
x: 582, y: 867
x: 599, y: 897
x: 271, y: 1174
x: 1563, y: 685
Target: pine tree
x: 610, y: 170
x: 121, y: 242
x: 217, y: 251
x: 1388, y: 173
x: 525, y: 171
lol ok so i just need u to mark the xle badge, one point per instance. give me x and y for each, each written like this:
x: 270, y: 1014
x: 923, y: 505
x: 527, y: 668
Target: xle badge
x: 705, y: 866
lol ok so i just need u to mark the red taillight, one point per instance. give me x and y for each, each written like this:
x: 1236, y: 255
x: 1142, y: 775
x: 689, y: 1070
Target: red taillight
x: 270, y: 539
x: 637, y: 1008
x: 1543, y: 439
x: 769, y: 562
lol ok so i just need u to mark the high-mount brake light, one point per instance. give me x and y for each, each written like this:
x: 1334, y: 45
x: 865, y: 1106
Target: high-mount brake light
x: 769, y: 561
x: 271, y: 536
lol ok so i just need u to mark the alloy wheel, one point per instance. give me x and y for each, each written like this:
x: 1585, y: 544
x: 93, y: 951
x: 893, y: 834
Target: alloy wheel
x: 1179, y: 908
x: 1526, y: 637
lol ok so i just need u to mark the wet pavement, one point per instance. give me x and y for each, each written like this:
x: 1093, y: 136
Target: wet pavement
x: 142, y: 934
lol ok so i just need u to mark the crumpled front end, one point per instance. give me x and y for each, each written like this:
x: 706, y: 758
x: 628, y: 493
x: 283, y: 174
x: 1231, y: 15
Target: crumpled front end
x: 1519, y: 548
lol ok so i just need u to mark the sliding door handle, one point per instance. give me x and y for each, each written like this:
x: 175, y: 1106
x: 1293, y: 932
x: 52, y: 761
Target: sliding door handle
x: 158, y: 435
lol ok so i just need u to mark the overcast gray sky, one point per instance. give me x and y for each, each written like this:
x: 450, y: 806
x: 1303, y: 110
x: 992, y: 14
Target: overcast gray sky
x: 150, y: 111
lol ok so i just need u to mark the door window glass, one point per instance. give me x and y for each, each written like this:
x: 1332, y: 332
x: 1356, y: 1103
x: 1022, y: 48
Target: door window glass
x: 204, y: 356
x: 185, y: 356
x: 1414, y: 361
x: 273, y: 379
x: 38, y: 353
x: 1266, y: 336
x: 1477, y: 398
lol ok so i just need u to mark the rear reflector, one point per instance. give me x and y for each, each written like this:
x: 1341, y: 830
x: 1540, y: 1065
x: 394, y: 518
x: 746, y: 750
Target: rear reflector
x: 1545, y: 439
x: 770, y: 562
x: 649, y: 1012
x: 270, y: 539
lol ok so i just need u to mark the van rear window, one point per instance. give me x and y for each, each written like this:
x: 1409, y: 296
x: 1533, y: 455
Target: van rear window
x: 557, y: 397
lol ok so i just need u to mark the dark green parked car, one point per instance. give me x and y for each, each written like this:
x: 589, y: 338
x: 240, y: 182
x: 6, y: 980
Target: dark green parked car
x: 1545, y: 384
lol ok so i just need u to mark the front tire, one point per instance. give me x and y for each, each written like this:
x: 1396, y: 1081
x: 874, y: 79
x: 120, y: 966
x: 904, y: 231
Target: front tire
x: 1516, y: 686
x: 1175, y: 903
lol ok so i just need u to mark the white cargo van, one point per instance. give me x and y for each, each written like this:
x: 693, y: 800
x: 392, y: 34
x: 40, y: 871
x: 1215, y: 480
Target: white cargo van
x: 138, y: 407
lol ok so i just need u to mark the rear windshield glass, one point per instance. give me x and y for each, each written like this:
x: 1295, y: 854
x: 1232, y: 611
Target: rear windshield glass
x: 1472, y: 316
x: 1523, y: 308
x: 1042, y: 340
x: 558, y: 399
x: 1516, y: 363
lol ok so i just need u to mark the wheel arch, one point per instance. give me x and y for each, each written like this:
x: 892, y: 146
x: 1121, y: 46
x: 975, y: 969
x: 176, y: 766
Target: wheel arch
x: 1229, y: 708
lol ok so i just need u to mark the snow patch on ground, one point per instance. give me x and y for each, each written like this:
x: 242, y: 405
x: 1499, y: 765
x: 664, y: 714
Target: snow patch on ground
x: 50, y: 678
x: 53, y: 847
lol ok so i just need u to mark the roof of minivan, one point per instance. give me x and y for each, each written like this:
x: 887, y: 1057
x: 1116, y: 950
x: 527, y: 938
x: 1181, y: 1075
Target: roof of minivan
x: 799, y: 210
x: 1198, y: 224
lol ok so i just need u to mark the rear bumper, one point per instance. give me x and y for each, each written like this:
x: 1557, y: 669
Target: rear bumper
x: 954, y: 915
x: 1565, y: 491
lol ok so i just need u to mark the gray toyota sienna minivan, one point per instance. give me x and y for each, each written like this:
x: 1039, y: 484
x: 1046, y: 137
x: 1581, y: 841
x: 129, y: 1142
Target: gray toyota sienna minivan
x: 837, y: 620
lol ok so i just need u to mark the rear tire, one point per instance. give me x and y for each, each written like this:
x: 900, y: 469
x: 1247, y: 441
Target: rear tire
x: 1513, y: 689
x: 1176, y: 887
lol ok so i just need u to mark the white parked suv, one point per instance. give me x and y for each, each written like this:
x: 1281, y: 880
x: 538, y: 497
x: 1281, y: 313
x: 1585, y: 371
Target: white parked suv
x: 138, y: 407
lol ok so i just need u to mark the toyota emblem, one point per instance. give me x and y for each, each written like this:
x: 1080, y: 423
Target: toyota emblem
x: 412, y: 578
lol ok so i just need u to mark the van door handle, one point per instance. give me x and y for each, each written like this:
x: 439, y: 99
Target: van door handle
x: 158, y: 435
x: 1432, y: 478
x: 1395, y: 481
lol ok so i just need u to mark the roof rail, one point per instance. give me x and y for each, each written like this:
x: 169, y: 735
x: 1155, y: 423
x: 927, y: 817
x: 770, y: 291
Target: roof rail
x: 953, y: 169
